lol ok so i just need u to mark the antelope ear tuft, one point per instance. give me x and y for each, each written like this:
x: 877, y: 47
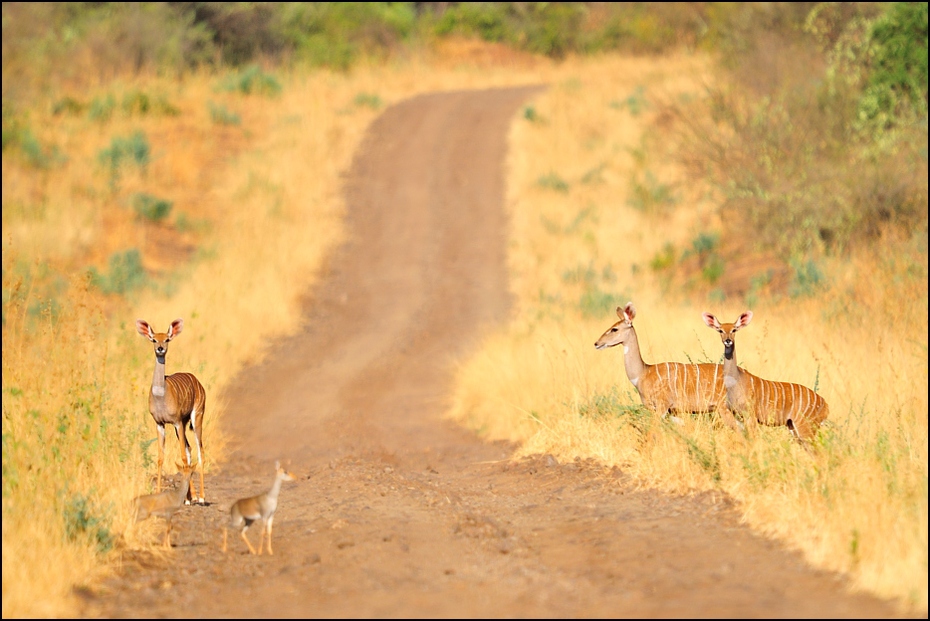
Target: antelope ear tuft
x: 143, y: 328
x: 710, y: 320
x: 629, y: 312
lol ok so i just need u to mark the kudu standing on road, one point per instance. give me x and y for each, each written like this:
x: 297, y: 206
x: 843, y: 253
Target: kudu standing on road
x: 178, y: 399
x: 668, y: 386
x: 765, y: 401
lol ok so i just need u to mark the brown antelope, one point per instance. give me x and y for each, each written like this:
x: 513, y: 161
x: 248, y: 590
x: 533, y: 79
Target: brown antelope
x: 765, y: 401
x: 165, y: 504
x: 261, y: 507
x: 177, y: 399
x: 668, y: 386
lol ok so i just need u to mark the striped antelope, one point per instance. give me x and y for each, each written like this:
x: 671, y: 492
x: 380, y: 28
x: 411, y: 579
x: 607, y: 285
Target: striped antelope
x: 177, y: 399
x: 668, y: 386
x: 245, y: 511
x: 765, y: 401
x: 165, y: 504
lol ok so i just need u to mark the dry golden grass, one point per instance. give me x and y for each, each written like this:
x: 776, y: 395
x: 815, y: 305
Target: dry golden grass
x: 859, y: 503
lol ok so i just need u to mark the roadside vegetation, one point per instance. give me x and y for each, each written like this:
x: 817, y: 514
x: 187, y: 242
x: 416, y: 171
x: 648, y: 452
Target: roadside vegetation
x: 672, y: 162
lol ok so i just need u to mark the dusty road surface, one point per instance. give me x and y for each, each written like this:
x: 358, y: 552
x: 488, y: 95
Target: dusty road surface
x: 398, y: 513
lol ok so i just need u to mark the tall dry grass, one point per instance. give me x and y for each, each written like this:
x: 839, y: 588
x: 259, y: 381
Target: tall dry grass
x: 255, y: 182
x: 593, y: 201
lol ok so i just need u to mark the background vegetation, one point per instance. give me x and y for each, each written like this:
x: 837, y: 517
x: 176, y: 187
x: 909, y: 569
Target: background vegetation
x: 689, y: 156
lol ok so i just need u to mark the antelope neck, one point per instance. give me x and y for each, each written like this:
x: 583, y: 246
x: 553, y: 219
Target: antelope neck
x: 632, y: 359
x: 158, y: 378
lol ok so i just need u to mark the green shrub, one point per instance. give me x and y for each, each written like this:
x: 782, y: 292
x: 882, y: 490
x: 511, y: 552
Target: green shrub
x: 222, y: 116
x: 126, y: 273
x: 251, y: 80
x: 134, y: 149
x: 553, y: 181
x: 81, y: 521
x: 150, y: 207
x: 370, y: 100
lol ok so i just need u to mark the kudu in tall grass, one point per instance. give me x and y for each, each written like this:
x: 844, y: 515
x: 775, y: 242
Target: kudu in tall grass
x: 665, y: 387
x: 177, y: 399
x: 765, y: 401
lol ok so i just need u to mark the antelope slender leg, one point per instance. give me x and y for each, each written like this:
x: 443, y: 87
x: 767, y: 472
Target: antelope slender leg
x: 261, y: 538
x: 270, y: 520
x: 161, y: 454
x: 246, y: 540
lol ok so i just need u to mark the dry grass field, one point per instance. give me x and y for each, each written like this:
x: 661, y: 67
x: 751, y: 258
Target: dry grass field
x: 582, y: 244
x: 250, y: 163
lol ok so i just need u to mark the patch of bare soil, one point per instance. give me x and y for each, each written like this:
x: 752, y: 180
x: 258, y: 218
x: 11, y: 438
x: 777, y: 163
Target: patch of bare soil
x: 399, y: 513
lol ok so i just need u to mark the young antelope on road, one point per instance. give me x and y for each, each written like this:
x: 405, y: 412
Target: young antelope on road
x: 165, y: 504
x: 261, y: 507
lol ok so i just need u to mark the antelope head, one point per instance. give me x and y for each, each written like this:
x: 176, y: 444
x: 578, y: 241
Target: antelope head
x: 728, y: 330
x: 621, y: 332
x: 160, y: 339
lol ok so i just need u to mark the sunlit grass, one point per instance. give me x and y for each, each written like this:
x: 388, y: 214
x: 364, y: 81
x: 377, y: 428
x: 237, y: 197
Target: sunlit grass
x: 858, y: 503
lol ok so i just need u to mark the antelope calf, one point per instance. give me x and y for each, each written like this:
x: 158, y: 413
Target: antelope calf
x: 668, y: 386
x: 764, y: 401
x: 165, y: 504
x: 178, y: 400
x: 261, y: 507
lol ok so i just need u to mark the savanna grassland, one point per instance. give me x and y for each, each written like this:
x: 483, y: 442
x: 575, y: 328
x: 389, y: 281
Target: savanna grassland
x: 677, y: 180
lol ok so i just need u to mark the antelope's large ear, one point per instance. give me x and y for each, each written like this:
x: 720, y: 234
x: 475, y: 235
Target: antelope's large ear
x: 629, y: 312
x: 175, y: 328
x: 143, y: 328
x: 743, y: 320
x: 711, y: 321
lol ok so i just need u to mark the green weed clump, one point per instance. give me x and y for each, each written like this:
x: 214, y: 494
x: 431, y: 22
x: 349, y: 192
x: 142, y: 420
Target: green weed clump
x: 251, y: 79
x: 151, y: 208
x: 133, y: 149
x: 126, y: 273
x: 221, y: 115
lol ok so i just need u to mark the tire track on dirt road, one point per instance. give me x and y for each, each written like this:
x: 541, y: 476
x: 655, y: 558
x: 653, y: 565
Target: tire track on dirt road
x: 399, y: 513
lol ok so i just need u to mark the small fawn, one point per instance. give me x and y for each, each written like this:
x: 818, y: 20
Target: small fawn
x: 165, y: 504
x: 261, y: 507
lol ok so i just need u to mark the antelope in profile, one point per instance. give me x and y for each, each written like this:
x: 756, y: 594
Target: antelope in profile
x: 765, y: 401
x: 165, y: 504
x: 177, y: 399
x: 245, y: 511
x: 668, y: 386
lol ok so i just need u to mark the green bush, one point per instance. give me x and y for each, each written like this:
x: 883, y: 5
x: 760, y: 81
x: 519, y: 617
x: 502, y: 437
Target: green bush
x: 133, y: 149
x: 150, y: 207
x: 251, y: 80
x: 222, y: 116
x: 126, y: 273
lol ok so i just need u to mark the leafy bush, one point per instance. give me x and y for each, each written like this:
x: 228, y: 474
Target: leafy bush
x: 251, y: 80
x: 151, y: 207
x: 222, y: 116
x: 126, y: 273
x: 553, y: 181
x: 134, y: 149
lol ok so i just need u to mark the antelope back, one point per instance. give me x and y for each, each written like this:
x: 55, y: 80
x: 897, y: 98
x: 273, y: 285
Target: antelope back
x: 775, y: 403
x: 682, y: 387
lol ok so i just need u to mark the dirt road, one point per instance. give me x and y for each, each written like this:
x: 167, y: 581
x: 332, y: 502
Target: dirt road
x: 397, y: 513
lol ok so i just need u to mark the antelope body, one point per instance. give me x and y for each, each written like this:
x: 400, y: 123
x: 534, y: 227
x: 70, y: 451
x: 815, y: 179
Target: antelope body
x: 765, y: 401
x: 165, y: 504
x: 667, y: 386
x: 178, y: 400
x: 262, y: 507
